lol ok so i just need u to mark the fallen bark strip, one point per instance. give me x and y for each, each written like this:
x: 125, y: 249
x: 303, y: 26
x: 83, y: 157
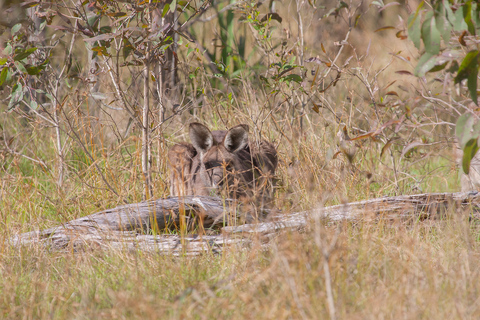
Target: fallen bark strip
x: 127, y: 227
x: 173, y: 244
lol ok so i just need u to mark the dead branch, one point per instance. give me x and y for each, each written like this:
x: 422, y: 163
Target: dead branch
x: 418, y: 206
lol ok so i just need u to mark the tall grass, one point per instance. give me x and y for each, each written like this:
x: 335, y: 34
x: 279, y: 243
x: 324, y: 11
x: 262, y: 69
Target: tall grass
x: 420, y: 270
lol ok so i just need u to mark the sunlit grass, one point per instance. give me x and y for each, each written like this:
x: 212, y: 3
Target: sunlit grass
x: 408, y: 269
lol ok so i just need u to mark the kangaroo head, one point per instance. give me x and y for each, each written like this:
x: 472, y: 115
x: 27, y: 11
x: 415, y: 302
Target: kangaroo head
x: 219, y: 161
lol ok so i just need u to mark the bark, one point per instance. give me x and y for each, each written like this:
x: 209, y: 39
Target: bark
x: 146, y: 155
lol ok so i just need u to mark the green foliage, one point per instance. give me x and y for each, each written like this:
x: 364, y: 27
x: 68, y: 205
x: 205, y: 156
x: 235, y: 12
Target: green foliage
x: 439, y: 24
x: 447, y: 19
x: 468, y: 133
x: 232, y: 58
x: 469, y: 70
x: 18, y: 67
x: 430, y: 34
x: 16, y: 95
x: 284, y: 73
x: 469, y: 151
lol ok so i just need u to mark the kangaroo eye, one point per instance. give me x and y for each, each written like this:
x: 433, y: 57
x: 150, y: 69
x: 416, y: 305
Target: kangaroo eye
x: 211, y: 164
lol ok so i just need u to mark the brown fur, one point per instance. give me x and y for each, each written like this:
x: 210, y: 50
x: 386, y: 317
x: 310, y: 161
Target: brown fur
x: 222, y: 161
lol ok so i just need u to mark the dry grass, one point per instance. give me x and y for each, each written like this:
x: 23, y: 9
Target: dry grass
x: 378, y: 270
x: 412, y: 270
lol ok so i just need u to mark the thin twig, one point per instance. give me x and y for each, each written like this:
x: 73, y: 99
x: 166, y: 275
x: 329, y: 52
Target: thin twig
x: 91, y: 157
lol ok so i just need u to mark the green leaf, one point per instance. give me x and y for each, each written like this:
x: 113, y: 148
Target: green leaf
x: 20, y: 67
x: 166, y: 8
x: 414, y: 30
x: 469, y: 152
x: 3, y: 75
x: 472, y: 84
x: 173, y: 5
x: 459, y: 24
x: 127, y: 48
x: 467, y: 17
x: 33, y: 70
x: 16, y: 96
x: 33, y: 105
x: 430, y: 34
x: 466, y: 129
x: 469, y: 70
x: 343, y: 4
x: 450, y: 15
x: 8, y: 50
x: 93, y: 21
x: 470, y: 61
x: 16, y: 28
x: 476, y: 14
x: 292, y: 77
x: 425, y: 64
x: 461, y: 126
x: 3, y: 61
x: 442, y: 23
x: 23, y: 54
x: 105, y: 29
x: 438, y: 67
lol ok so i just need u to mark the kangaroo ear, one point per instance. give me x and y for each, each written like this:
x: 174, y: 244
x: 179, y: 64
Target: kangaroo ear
x: 236, y: 138
x: 201, y: 137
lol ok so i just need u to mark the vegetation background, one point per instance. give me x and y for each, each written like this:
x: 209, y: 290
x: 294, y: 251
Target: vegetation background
x: 95, y: 92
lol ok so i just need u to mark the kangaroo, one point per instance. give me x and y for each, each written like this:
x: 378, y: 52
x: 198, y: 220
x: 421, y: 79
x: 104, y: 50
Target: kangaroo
x: 219, y: 162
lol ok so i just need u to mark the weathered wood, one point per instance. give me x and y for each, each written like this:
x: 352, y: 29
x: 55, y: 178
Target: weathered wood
x: 127, y: 227
x: 422, y: 206
x: 141, y: 218
x: 130, y: 241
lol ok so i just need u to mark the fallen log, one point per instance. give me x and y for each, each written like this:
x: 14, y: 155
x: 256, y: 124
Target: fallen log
x: 128, y: 226
x: 133, y: 227
x: 417, y: 206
